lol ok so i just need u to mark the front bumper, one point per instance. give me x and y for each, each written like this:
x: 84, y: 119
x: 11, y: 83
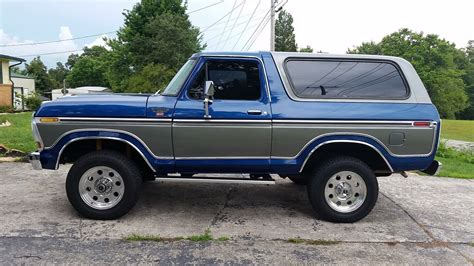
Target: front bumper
x: 434, y: 168
x: 34, y: 159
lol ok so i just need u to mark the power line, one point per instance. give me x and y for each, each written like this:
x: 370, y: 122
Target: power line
x: 45, y: 42
x: 255, y: 31
x: 233, y: 26
x: 62, y: 52
x: 225, y: 27
x: 239, y: 33
x: 202, y: 8
x: 258, y: 34
x: 223, y: 17
x: 246, y: 25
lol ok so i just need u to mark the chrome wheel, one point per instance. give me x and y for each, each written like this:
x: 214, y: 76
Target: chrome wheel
x: 101, y: 187
x: 345, y: 191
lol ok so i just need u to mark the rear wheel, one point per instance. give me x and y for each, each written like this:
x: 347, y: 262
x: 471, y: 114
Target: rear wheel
x: 343, y: 189
x: 103, y: 185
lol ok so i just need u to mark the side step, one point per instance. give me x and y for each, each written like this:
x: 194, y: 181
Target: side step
x: 222, y: 180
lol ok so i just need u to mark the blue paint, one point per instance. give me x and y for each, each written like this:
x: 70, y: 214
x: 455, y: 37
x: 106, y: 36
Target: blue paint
x: 105, y: 105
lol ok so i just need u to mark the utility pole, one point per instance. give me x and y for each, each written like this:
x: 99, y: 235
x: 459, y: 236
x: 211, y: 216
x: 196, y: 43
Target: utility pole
x: 272, y: 25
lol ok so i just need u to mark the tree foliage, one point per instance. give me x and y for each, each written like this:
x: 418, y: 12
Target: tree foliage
x: 285, y: 33
x: 439, y: 64
x: 90, y: 68
x: 38, y: 70
x: 307, y: 49
x: 154, y: 33
x: 57, y: 75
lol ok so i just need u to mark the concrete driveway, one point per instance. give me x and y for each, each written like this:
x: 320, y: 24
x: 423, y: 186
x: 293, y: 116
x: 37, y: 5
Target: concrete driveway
x: 419, y: 219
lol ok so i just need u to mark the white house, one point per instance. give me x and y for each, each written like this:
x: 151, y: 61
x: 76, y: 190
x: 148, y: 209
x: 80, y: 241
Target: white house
x: 22, y: 85
x: 79, y: 90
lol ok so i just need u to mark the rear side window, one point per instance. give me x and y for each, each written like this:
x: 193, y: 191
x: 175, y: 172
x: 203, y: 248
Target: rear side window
x: 320, y: 79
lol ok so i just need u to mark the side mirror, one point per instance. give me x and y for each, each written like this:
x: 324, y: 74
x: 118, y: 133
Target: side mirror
x: 209, y: 88
x: 208, y: 95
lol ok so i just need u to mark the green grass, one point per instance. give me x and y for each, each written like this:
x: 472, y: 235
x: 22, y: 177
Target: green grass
x: 311, y: 242
x: 206, y: 236
x: 459, y: 164
x: 18, y: 135
x: 457, y: 129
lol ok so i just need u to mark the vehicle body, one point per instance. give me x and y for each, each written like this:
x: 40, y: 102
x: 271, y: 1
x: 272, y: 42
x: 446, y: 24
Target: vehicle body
x: 310, y: 117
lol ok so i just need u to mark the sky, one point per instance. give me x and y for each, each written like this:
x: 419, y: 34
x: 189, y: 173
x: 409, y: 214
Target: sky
x: 227, y: 25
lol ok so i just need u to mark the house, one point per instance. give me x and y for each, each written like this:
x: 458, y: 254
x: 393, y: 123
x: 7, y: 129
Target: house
x: 7, y: 95
x: 57, y: 93
x: 23, y: 85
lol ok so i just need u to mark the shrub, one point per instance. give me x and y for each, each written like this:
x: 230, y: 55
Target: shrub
x: 33, y: 102
x: 6, y: 109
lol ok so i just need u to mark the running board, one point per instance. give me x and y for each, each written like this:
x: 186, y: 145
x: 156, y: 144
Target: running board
x: 217, y: 180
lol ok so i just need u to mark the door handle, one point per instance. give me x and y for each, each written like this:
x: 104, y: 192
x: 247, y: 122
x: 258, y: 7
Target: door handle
x: 254, y: 112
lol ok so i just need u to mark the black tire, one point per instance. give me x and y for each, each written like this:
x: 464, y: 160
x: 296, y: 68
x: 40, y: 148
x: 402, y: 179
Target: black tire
x: 130, y: 175
x: 320, y: 177
x: 301, y: 180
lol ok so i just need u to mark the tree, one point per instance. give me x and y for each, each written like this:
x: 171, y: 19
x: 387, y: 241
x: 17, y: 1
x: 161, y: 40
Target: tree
x: 285, y: 33
x: 71, y: 60
x: 468, y: 67
x: 38, y: 70
x: 57, y: 75
x: 151, y: 78
x: 154, y: 33
x: 437, y: 62
x: 90, y: 68
x: 307, y: 49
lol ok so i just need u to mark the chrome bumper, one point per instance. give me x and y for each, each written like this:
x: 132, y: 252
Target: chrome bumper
x: 34, y: 159
x: 434, y: 168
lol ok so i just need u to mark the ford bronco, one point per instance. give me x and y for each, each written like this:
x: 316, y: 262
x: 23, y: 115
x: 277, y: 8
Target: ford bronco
x: 331, y: 122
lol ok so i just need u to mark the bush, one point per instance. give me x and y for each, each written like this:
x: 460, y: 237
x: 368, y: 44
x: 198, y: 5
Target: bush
x: 33, y: 102
x: 6, y: 109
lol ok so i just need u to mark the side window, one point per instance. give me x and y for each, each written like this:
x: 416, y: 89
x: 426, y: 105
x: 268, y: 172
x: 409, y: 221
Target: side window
x: 319, y: 79
x: 234, y: 80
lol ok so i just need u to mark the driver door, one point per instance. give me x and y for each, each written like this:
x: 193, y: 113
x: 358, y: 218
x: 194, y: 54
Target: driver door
x: 237, y: 135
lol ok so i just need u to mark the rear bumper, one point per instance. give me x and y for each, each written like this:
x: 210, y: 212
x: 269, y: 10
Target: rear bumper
x: 434, y: 168
x: 34, y: 159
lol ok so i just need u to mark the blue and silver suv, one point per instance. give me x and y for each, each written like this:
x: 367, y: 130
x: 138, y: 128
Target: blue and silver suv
x: 331, y: 122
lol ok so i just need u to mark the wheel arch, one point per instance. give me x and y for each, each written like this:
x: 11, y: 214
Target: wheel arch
x: 72, y: 143
x: 362, y: 150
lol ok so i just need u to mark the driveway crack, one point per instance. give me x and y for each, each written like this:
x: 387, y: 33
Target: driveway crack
x: 226, y: 203
x: 434, y: 242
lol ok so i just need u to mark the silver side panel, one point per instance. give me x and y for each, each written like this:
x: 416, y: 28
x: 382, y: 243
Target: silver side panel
x: 156, y: 135
x: 222, y: 139
x: 291, y: 138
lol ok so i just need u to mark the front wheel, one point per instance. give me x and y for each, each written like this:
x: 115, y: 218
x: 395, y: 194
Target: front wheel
x: 343, y: 189
x: 103, y: 185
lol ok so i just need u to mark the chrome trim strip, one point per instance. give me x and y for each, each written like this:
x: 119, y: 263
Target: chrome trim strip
x: 222, y: 121
x: 364, y: 122
x: 113, y: 131
x: 345, y: 141
x: 215, y: 180
x: 357, y: 134
x: 100, y: 137
x: 108, y: 119
x: 224, y: 158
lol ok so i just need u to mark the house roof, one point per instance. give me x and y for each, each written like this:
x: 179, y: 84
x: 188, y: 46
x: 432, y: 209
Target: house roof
x: 18, y: 75
x: 11, y: 58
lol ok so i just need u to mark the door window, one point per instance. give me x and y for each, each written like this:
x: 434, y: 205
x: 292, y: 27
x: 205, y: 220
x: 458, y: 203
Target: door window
x: 233, y: 80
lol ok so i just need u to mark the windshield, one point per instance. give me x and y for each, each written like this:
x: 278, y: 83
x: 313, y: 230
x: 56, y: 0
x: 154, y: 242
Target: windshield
x: 178, y: 80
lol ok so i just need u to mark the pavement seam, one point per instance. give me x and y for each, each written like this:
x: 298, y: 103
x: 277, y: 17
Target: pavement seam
x: 427, y: 232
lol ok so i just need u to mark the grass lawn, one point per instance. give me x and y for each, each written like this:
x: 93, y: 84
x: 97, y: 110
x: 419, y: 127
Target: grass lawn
x: 457, y: 129
x: 18, y: 135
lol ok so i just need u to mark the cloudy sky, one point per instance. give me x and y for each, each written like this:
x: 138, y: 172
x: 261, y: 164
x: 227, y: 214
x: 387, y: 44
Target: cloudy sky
x: 330, y: 26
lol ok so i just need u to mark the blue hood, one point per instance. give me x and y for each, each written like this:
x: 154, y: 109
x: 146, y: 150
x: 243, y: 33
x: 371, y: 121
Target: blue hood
x: 103, y: 105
